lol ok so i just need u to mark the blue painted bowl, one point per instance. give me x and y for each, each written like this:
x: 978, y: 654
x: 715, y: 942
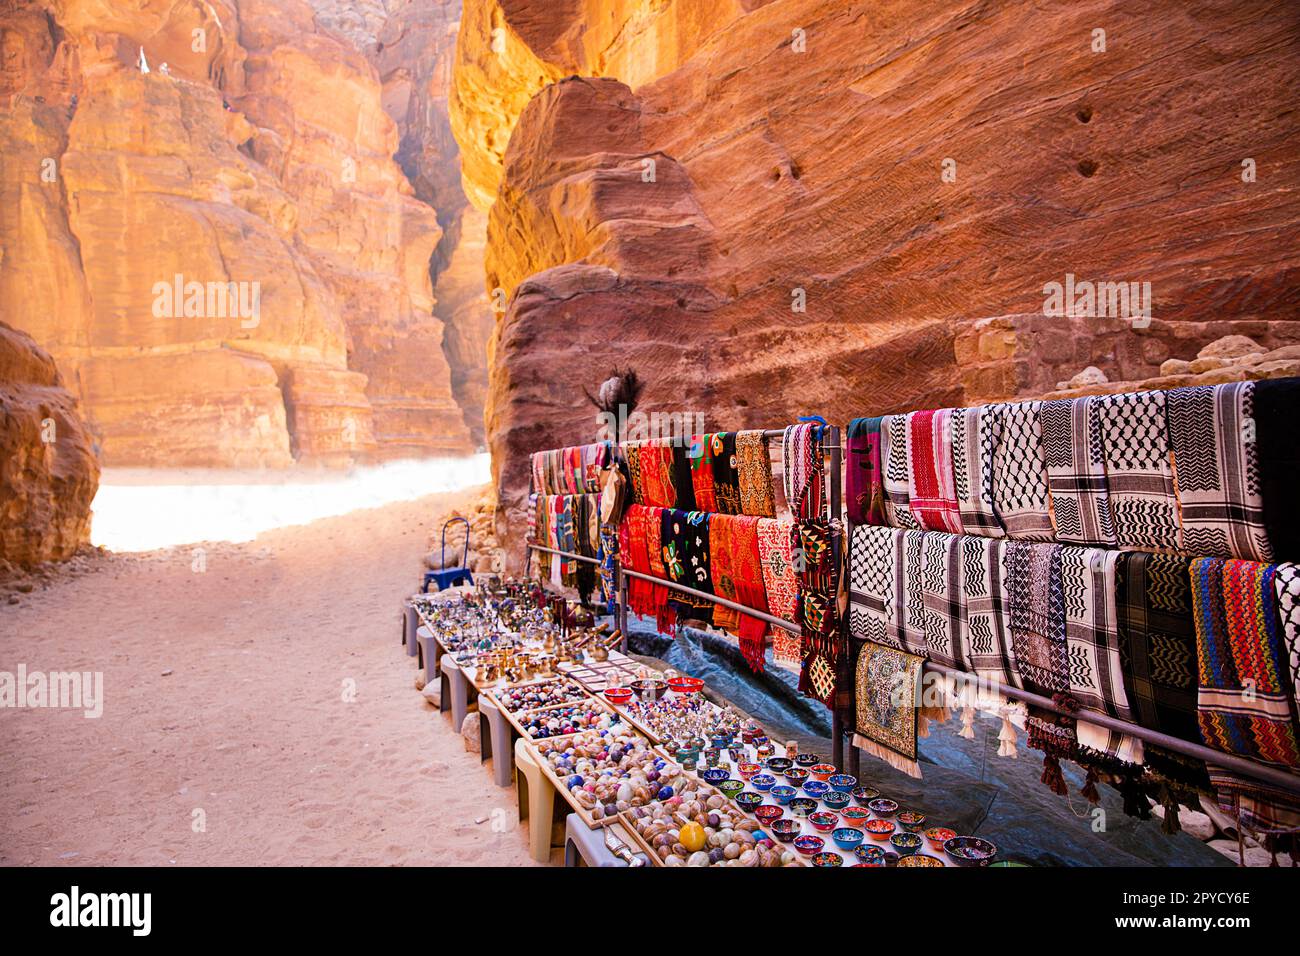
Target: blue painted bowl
x: 846, y: 838
x: 796, y: 776
x: 807, y: 760
x: 802, y: 806
x: 785, y: 830
x: 843, y: 782
x: 715, y: 774
x: 905, y: 843
x: 835, y: 801
x: 749, y: 801
x: 783, y: 793
x: 762, y: 781
x: 870, y: 855
x: 816, y: 788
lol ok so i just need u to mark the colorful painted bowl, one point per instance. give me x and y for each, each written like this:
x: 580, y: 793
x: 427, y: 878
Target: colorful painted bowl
x: 843, y: 782
x: 827, y: 860
x: 796, y: 775
x: 783, y: 793
x: 835, y: 801
x: 715, y: 775
x: 618, y: 695
x: 869, y: 855
x: 767, y: 813
x: 762, y: 781
x: 970, y: 851
x: 905, y: 844
x: 785, y: 830
x: 817, y: 788
x: 879, y: 829
x: 823, y: 821
x: 749, y: 800
x: 650, y: 688
x: 938, y: 836
x: 822, y: 771
x: 917, y: 860
x: 808, y: 844
x: 883, y: 807
x: 779, y: 764
x: 846, y: 838
x: 855, y: 816
x: 806, y: 760
x: 912, y: 820
x: 802, y: 806
x: 862, y: 796
x: 685, y: 685
x: 747, y: 770
x: 731, y: 787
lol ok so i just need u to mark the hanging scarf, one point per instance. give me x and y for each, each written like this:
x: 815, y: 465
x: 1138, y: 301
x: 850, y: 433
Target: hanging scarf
x: 556, y: 503
x: 537, y: 471
x: 1020, y: 484
x: 632, y: 547
x: 738, y: 574
x: 975, y: 435
x: 863, y: 480
x: 543, y: 537
x: 1139, y: 480
x: 944, y: 621
x: 886, y: 706
x: 1076, y: 472
x: 566, y: 539
x: 532, y: 518
x: 680, y: 462
x: 1091, y: 630
x: 1287, y: 583
x: 932, y: 493
x: 609, y: 558
x: 1216, y: 470
x: 685, y: 548
x: 665, y: 614
x: 983, y: 592
x: 913, y: 581
x: 804, y: 474
x: 701, y: 464
x: 585, y: 543
x: 726, y: 478
x: 632, y: 455
x: 895, y: 457
x: 1277, y: 402
x: 779, y: 583
x: 657, y: 475
x: 722, y: 547
x: 754, y: 474
x: 875, y: 601
x: 818, y: 613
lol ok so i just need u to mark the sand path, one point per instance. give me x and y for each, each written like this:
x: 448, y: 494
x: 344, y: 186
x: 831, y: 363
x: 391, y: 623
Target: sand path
x: 254, y: 732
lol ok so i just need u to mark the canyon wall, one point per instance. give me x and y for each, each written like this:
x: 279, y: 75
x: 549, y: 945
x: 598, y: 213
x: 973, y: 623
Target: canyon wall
x: 253, y: 165
x: 780, y: 208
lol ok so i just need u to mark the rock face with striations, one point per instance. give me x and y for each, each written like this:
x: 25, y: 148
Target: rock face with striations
x: 251, y: 169
x: 799, y: 206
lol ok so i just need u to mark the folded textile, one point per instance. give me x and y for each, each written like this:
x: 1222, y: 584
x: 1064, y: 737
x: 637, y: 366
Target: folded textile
x: 595, y: 458
x: 1076, y: 471
x: 679, y: 452
x: 944, y: 620
x: 1245, y: 700
x: 542, y: 521
x: 983, y: 594
x: 1261, y: 808
x: 1139, y: 478
x: 1036, y: 616
x: 895, y: 457
x: 1216, y: 470
x: 779, y: 583
x: 1277, y: 402
x: 754, y: 474
x: 558, y: 568
x: 658, y: 477
x: 733, y: 545
x: 1112, y: 743
x: 609, y: 558
x: 885, y: 724
x: 864, y: 485
x: 636, y: 481
x: 975, y: 435
x: 875, y: 587
x: 932, y: 493
x: 1091, y: 633
x: 803, y: 471
x: 1157, y: 640
x: 685, y: 547
x: 722, y: 546
x: 913, y: 594
x: 1287, y: 584
x: 1020, y: 492
x: 665, y: 616
x: 532, y: 517
x: 701, y: 461
x: 726, y: 474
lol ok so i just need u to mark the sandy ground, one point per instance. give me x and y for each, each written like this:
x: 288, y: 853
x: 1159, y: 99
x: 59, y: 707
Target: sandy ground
x: 258, y: 712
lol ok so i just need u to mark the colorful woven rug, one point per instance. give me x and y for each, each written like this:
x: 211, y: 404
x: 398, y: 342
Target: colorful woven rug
x: 804, y: 469
x: 886, y: 682
x: 726, y: 477
x: 1076, y: 472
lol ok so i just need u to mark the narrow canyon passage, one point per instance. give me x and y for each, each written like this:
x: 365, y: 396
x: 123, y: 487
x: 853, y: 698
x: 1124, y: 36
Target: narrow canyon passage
x: 251, y: 733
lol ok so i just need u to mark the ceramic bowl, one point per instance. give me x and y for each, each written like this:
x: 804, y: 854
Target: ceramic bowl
x: 842, y: 782
x: 828, y: 860
x: 767, y: 813
x: 883, y: 807
x: 685, y: 685
x: 823, y: 821
x: 796, y: 775
x: 817, y: 788
x: 916, y: 860
x: 785, y: 830
x: 970, y: 851
x: 905, y: 844
x: 715, y: 775
x: 779, y: 764
x: 912, y: 820
x: 855, y: 816
x: 762, y: 781
x: 835, y: 801
x: 650, y: 688
x: 822, y: 771
x: 764, y: 751
x: 809, y: 844
x: 783, y: 793
x: 806, y: 760
x: 802, y: 806
x: 938, y: 836
x: 618, y: 695
x: 869, y: 855
x: 846, y: 838
x: 864, y: 795
x: 749, y: 801
x: 731, y: 787
x: 879, y: 829
x: 747, y: 770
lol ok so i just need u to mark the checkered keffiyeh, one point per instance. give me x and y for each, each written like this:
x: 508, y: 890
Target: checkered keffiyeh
x: 1287, y: 584
x: 913, y: 594
x: 1036, y: 615
x: 895, y: 457
x: 1216, y: 470
x: 932, y: 494
x: 1076, y: 472
x: 1019, y: 476
x: 1139, y: 479
x: 1092, y: 639
x: 875, y: 587
x: 944, y: 617
x: 975, y: 435
x: 989, y: 648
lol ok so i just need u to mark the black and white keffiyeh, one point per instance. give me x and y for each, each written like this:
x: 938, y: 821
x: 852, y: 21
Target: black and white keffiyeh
x: 1019, y: 476
x: 913, y: 606
x: 1139, y: 479
x: 944, y: 614
x: 975, y: 435
x: 1076, y: 471
x: 1216, y: 470
x: 896, y: 459
x: 875, y: 596
x: 1091, y: 630
x: 983, y: 593
x: 1286, y: 583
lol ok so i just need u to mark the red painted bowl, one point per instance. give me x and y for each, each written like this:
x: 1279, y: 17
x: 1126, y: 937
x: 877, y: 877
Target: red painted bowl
x: 879, y: 829
x: 618, y: 695
x: 747, y: 770
x: 938, y: 836
x: 767, y: 813
x: 685, y: 685
x: 821, y: 771
x: 856, y: 817
x: 823, y: 821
